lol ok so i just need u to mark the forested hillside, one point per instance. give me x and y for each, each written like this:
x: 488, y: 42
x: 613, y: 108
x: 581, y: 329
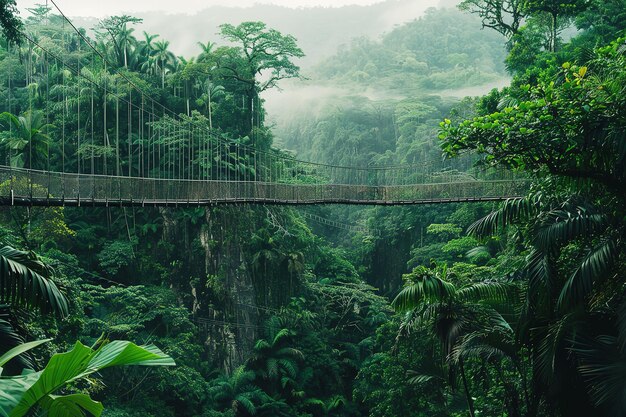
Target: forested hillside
x: 513, y: 308
x: 384, y: 100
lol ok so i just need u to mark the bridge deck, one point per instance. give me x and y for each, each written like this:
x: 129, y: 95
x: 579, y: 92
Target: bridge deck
x: 41, y: 188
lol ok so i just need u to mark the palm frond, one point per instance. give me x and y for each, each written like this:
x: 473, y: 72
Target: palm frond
x: 591, y: 271
x: 282, y: 335
x: 242, y: 402
x: 603, y: 365
x: 539, y: 270
x: 288, y: 367
x: 487, y: 344
x: 416, y: 378
x: 25, y: 282
x: 513, y: 210
x: 490, y: 292
x: 550, y: 344
x: 564, y: 225
x: 426, y: 288
x: 507, y: 101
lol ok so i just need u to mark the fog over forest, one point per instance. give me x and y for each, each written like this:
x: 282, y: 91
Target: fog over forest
x: 365, y: 208
x: 321, y: 32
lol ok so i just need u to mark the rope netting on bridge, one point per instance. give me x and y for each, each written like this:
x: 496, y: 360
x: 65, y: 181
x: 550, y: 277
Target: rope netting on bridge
x: 94, y: 133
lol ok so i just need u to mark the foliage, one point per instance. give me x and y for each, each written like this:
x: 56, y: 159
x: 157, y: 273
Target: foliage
x: 37, y: 390
x: 25, y: 139
x: 268, y: 315
x: 10, y: 22
x: 25, y: 281
x: 571, y: 124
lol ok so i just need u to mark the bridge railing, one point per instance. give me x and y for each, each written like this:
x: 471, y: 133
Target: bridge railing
x: 20, y: 186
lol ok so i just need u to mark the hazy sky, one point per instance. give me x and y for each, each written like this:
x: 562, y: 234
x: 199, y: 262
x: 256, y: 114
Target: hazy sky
x: 99, y: 8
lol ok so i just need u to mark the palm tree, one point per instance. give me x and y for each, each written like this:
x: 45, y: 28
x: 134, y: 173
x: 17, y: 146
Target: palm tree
x: 273, y: 359
x: 207, y: 50
x: 325, y: 408
x: 237, y: 392
x: 209, y: 92
x: 497, y: 344
x: 572, y: 311
x: 164, y: 57
x: 26, y: 139
x: 451, y: 313
x: 147, y: 45
x: 125, y: 40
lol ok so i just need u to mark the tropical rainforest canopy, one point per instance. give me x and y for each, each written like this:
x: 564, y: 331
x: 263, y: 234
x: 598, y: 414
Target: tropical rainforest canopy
x: 514, y: 308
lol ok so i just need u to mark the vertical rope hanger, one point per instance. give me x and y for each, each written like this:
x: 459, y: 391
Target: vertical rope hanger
x: 47, y: 69
x: 105, y: 139
x: 117, y: 128
x: 93, y: 139
x: 64, y: 108
x: 152, y: 137
x: 168, y: 148
x: 180, y: 145
x: 30, y: 102
x: 139, y: 138
x: 63, y: 117
x: 78, y: 84
x: 190, y: 162
x: 9, y: 97
x: 130, y: 130
x: 158, y: 154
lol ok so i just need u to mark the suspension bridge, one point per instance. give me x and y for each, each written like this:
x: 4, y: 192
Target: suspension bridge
x: 92, y: 135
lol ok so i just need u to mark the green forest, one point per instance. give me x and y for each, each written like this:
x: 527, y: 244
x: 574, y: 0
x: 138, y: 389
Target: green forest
x: 502, y: 308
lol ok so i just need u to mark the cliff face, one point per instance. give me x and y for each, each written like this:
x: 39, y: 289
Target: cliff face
x: 215, y: 281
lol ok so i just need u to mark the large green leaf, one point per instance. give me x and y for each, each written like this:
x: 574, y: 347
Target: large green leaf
x: 121, y: 352
x: 37, y: 390
x: 73, y: 405
x: 12, y: 389
x: 18, y: 350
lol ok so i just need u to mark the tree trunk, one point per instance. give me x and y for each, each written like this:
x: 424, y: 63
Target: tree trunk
x: 210, y: 111
x: 554, y: 32
x: 468, y: 397
x: 251, y: 94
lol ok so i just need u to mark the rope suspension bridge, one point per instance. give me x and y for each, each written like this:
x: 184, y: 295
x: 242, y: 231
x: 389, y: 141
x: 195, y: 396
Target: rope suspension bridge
x: 92, y: 135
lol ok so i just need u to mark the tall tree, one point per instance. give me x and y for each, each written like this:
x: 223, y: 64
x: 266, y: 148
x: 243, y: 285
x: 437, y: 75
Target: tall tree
x: 428, y: 297
x: 164, y: 58
x: 10, y: 22
x: 117, y: 30
x: 263, y: 58
x: 504, y: 16
x: 556, y: 10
